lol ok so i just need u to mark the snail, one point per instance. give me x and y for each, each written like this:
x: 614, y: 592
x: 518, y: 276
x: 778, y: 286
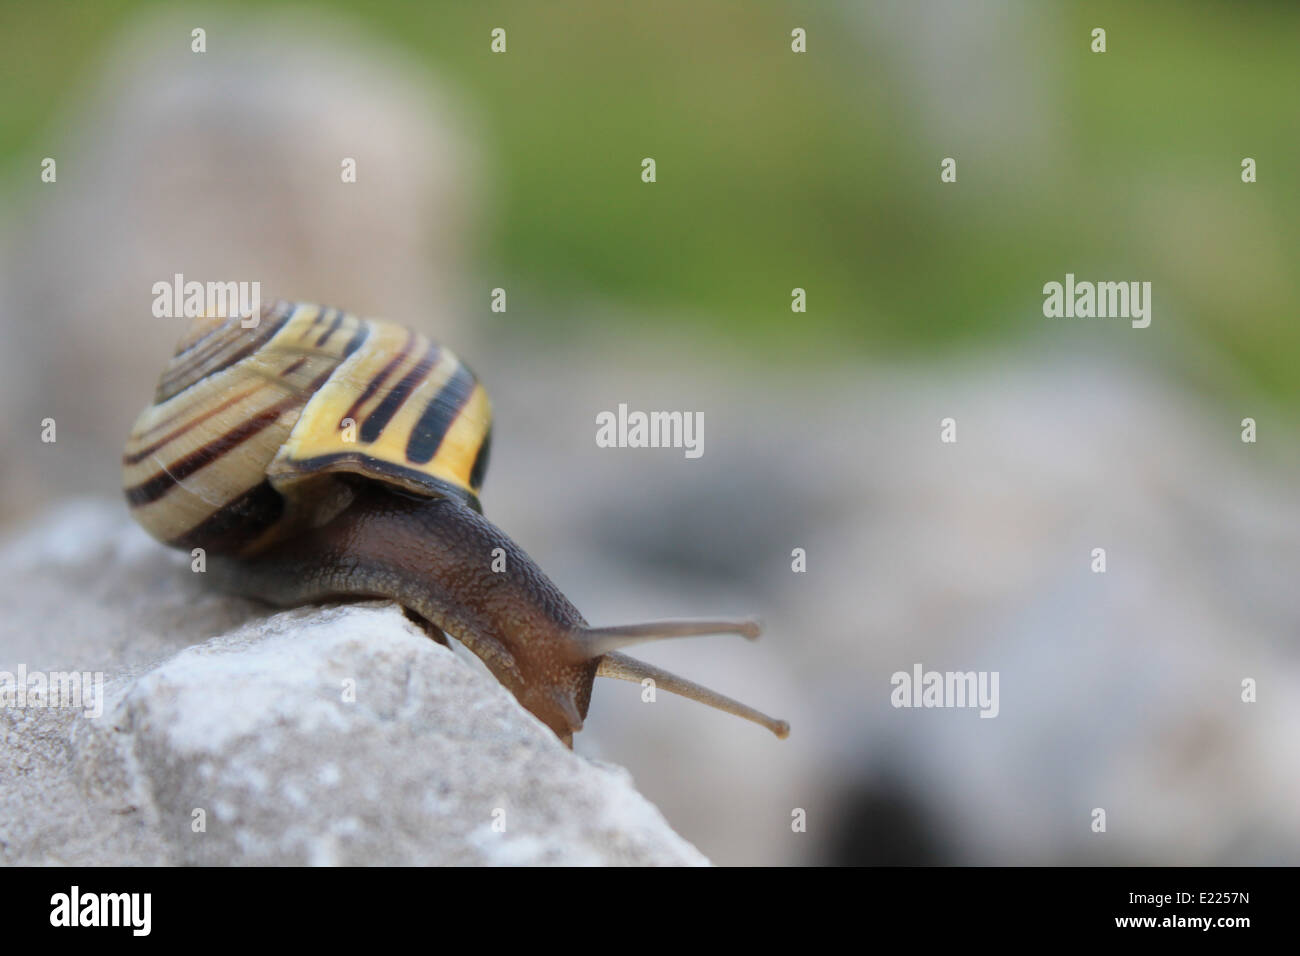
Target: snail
x: 323, y: 456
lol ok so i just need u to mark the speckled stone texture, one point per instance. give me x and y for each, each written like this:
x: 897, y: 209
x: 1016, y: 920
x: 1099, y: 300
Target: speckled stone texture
x: 336, y: 735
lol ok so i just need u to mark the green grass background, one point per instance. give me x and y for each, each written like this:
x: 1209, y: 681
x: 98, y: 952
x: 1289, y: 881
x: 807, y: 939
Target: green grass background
x: 776, y: 170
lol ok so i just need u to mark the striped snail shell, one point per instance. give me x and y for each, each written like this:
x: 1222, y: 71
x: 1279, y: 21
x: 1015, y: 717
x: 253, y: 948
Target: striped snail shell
x: 248, y: 427
x: 323, y: 456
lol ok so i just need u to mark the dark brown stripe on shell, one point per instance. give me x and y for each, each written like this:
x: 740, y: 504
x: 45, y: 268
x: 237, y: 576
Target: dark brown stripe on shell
x: 438, y: 416
x: 201, y: 352
x: 219, y: 337
x: 137, y: 457
x: 294, y: 367
x: 172, y: 385
x: 334, y: 327
x: 154, y: 488
x: 199, y: 341
x: 321, y: 312
x: 358, y: 337
x: 479, y: 469
x: 377, y: 420
x: 373, y: 385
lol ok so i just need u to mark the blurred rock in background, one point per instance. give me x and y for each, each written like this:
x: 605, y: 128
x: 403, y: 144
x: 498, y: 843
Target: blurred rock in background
x: 221, y: 168
x: 1119, y: 690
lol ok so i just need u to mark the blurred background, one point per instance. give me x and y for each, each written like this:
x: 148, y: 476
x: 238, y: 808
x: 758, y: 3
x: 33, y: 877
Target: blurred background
x: 775, y: 170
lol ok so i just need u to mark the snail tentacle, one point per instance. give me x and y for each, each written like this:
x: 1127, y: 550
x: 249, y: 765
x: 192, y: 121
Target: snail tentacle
x: 622, y: 667
x: 596, y: 641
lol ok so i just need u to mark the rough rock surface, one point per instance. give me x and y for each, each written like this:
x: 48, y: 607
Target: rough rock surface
x: 337, y: 735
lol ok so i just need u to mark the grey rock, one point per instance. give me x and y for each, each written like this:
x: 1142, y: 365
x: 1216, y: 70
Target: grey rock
x: 334, y: 735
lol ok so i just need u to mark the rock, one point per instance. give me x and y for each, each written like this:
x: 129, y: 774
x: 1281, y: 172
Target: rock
x: 321, y: 735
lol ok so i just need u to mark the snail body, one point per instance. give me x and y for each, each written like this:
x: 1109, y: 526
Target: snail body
x: 323, y: 456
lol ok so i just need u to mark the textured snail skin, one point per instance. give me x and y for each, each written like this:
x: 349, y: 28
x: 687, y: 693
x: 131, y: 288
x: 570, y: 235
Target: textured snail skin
x: 433, y: 556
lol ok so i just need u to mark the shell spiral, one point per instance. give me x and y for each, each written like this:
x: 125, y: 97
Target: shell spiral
x: 251, y: 428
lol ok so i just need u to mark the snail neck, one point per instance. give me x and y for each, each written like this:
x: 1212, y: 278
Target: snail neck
x: 451, y: 566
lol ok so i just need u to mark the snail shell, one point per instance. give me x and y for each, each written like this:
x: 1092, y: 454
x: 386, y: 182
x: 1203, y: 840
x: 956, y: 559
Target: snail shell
x: 248, y: 427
